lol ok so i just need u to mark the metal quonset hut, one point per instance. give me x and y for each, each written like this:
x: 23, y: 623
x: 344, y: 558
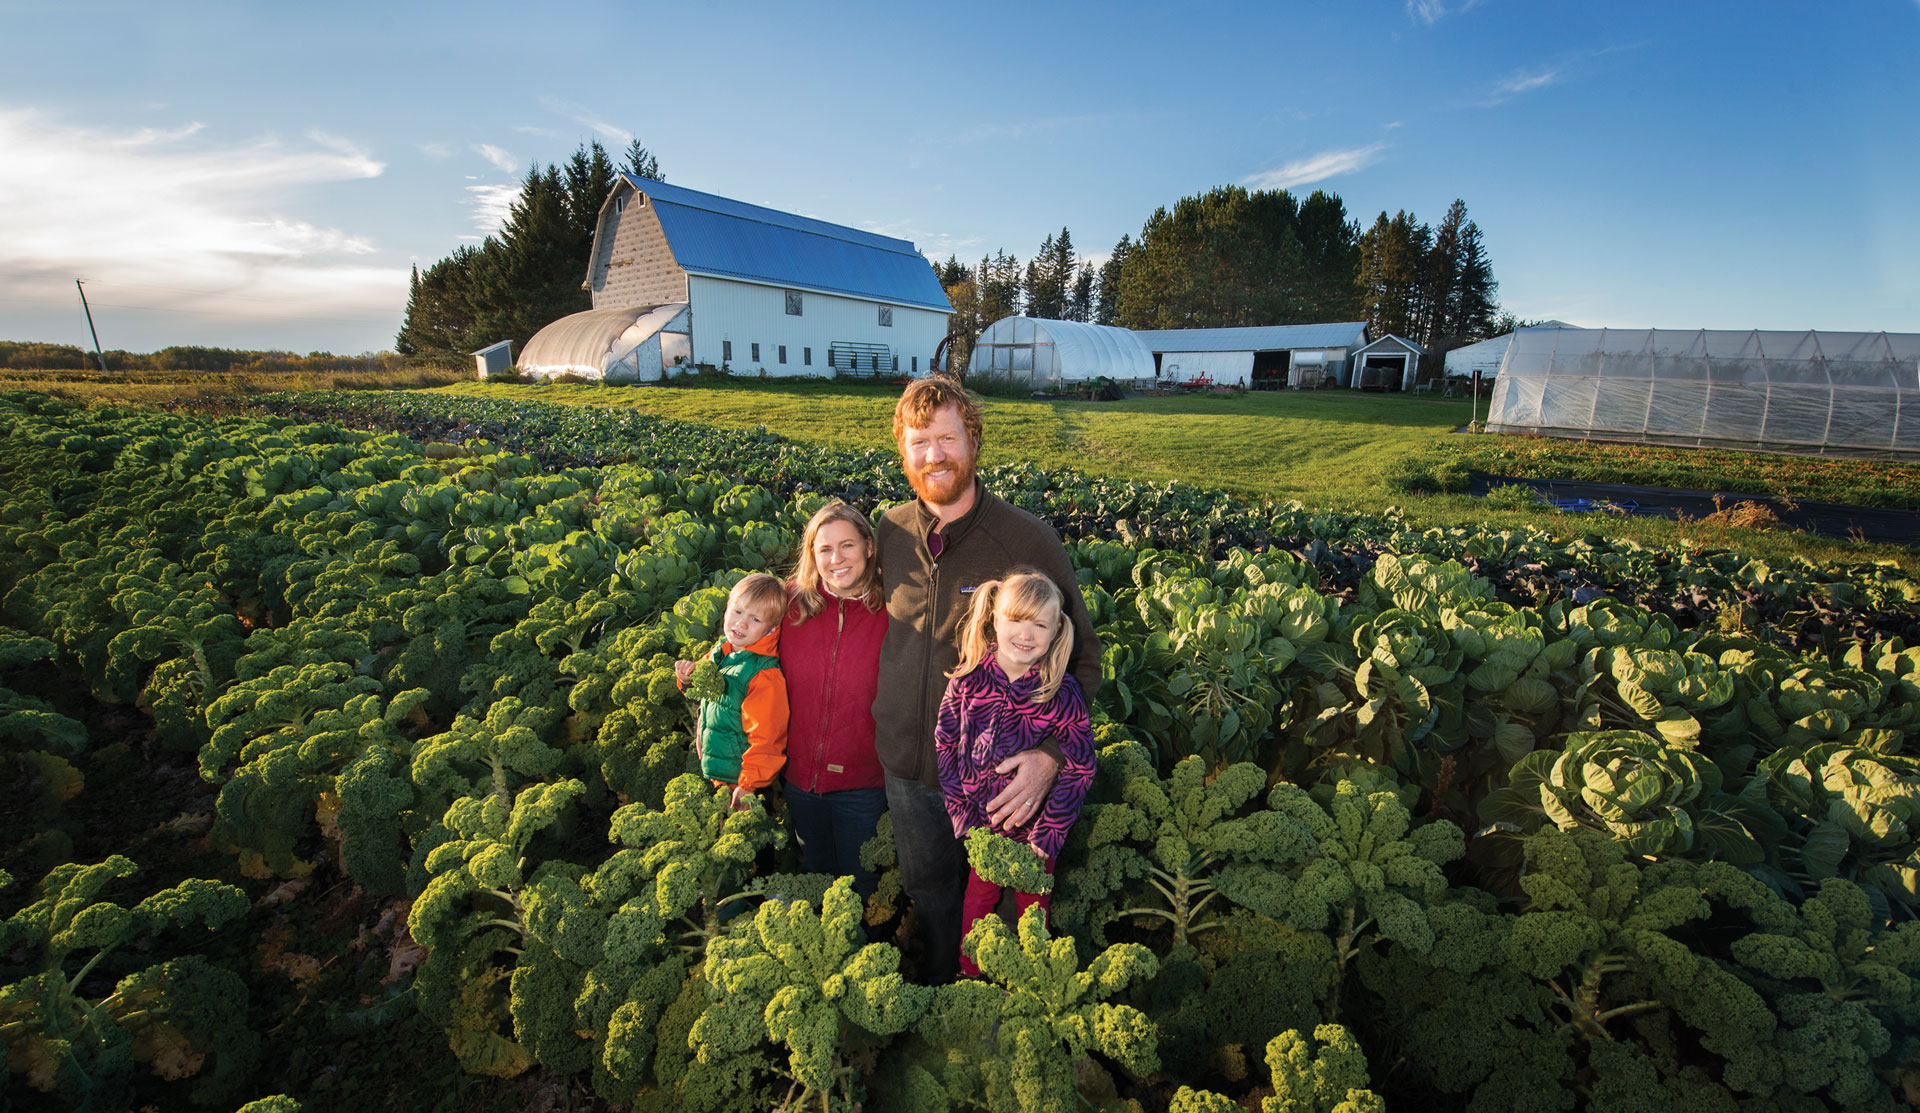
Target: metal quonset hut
x: 1843, y: 393
x: 633, y: 344
x: 1036, y: 350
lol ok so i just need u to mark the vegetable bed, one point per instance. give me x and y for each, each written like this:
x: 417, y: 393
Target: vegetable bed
x: 1384, y: 816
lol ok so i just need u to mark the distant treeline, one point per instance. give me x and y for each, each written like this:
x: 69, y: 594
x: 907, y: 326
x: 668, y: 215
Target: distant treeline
x: 1233, y: 257
x: 30, y: 356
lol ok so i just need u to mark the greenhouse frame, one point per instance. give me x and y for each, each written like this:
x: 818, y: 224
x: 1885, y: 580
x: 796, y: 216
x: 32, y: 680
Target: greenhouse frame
x: 1835, y: 393
x: 1041, y: 352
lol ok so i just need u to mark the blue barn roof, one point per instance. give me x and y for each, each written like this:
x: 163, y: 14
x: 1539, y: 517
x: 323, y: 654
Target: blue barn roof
x: 718, y: 236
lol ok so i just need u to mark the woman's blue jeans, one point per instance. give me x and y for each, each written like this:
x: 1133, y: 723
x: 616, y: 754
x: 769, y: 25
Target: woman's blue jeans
x: 832, y: 826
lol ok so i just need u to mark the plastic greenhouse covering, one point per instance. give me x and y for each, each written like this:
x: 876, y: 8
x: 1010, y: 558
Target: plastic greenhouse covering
x: 1845, y: 393
x: 1040, y: 351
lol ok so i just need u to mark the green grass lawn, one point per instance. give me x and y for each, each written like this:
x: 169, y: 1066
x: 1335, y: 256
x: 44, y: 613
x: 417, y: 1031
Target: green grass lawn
x: 1333, y: 448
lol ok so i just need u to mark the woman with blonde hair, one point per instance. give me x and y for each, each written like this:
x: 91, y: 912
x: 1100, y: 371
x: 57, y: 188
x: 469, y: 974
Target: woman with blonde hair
x: 830, y: 652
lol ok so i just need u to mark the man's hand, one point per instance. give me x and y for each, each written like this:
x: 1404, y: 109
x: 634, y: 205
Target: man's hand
x: 1033, y: 773
x: 742, y: 799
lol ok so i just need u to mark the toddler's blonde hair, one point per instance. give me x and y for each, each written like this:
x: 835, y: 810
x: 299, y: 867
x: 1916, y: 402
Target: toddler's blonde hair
x: 760, y: 592
x: 1026, y: 593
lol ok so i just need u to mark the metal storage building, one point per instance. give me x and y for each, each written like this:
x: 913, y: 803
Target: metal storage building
x: 762, y: 291
x: 1841, y: 393
x: 1262, y: 357
x: 1044, y: 350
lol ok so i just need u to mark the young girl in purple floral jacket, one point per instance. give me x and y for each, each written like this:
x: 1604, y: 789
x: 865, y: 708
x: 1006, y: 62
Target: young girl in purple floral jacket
x: 1012, y: 692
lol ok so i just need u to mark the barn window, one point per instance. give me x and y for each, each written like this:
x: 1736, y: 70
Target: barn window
x: 783, y: 353
x: 620, y: 203
x: 793, y: 303
x: 916, y: 365
x: 806, y: 356
x: 726, y: 350
x: 886, y: 316
x: 896, y: 363
x: 756, y: 353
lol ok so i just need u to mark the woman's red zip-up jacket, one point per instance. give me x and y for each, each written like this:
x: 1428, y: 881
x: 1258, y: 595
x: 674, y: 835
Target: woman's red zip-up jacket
x: 832, y: 667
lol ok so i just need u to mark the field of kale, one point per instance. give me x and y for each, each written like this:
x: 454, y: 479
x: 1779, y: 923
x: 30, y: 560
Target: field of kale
x: 347, y: 764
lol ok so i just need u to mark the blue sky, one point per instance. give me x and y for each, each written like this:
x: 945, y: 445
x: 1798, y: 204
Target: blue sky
x: 264, y: 174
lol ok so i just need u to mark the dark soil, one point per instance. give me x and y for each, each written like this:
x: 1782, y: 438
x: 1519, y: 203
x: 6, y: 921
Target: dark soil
x: 1860, y: 523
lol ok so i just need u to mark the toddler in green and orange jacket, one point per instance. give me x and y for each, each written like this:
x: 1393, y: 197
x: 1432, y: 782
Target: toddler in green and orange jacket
x: 741, y: 735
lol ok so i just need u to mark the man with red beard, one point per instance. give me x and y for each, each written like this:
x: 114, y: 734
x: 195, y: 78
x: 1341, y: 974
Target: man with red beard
x: 934, y: 551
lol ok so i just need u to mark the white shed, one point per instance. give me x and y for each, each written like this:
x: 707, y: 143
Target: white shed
x: 1389, y: 363
x: 1038, y: 350
x: 493, y: 359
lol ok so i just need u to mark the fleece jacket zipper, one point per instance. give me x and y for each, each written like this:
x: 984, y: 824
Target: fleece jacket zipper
x: 833, y: 671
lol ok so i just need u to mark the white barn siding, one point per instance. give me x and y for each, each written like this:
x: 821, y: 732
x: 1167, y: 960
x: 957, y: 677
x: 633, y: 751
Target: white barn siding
x: 634, y: 265
x: 1224, y: 368
x: 748, y: 313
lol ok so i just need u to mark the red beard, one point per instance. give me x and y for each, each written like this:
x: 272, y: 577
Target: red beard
x: 943, y: 492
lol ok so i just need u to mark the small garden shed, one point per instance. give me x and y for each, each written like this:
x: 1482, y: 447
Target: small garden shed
x: 1389, y: 363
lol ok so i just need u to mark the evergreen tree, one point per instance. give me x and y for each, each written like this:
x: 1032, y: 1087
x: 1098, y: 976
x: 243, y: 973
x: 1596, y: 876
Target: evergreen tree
x: 589, y: 179
x: 1050, y: 278
x: 1106, y: 308
x: 1392, y: 258
x: 1330, y: 244
x: 641, y: 163
x: 1475, y: 302
x: 953, y: 271
x: 526, y: 276
x: 439, y: 325
x: 998, y: 280
x: 1080, y: 305
x: 1226, y: 257
x: 532, y: 277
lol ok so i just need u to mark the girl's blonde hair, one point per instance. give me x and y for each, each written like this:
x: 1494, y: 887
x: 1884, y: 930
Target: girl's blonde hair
x: 807, y: 597
x: 1026, y: 593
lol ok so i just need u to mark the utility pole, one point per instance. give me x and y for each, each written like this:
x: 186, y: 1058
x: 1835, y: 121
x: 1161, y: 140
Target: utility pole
x: 96, y: 334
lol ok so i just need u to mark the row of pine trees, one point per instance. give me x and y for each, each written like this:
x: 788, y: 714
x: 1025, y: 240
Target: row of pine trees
x: 529, y: 274
x: 1223, y: 258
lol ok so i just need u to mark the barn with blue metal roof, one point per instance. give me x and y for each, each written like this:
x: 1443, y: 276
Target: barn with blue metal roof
x: 764, y: 292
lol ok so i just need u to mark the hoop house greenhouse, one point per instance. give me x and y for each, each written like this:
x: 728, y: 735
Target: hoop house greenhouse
x: 1040, y: 351
x: 1842, y: 393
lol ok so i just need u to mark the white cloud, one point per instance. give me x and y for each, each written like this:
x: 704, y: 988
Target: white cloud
x: 490, y: 205
x: 1523, y: 81
x: 505, y: 161
x: 1316, y: 167
x: 438, y: 150
x: 580, y: 114
x: 182, y: 222
x: 1430, y: 12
